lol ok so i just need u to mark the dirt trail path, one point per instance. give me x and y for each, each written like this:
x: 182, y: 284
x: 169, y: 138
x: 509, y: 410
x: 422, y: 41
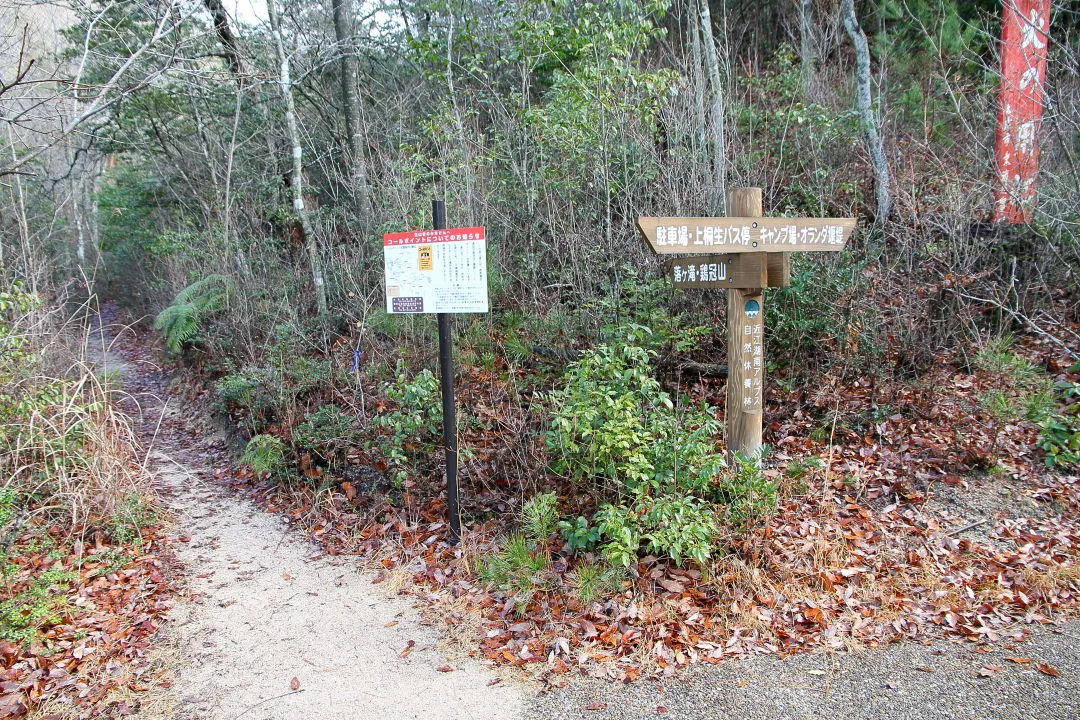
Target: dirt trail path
x: 267, y: 612
x: 264, y: 606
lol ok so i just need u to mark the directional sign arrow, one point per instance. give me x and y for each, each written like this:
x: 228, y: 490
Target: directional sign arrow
x: 707, y: 235
x: 749, y: 270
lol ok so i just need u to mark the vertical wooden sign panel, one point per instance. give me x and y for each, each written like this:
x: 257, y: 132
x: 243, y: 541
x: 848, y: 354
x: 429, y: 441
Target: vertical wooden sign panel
x: 746, y: 347
x: 746, y: 370
x: 1024, y: 38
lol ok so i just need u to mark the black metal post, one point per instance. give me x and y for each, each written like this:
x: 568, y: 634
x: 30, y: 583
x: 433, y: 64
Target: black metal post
x: 449, y: 409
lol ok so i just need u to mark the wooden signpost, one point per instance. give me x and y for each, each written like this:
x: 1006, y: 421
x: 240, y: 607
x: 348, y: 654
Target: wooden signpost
x: 744, y: 253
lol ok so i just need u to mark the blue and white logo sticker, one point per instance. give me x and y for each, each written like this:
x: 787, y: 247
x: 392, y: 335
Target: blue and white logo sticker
x: 752, y: 309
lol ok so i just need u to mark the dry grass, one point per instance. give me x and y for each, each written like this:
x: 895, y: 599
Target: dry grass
x: 1055, y: 577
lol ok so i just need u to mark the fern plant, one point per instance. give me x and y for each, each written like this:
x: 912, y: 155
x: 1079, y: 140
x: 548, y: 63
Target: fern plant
x: 181, y: 322
x: 264, y: 454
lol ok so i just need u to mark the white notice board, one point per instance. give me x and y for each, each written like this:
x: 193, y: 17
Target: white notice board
x: 436, y: 271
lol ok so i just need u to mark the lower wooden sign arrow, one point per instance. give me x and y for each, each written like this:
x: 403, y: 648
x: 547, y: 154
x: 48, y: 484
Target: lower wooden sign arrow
x: 742, y: 270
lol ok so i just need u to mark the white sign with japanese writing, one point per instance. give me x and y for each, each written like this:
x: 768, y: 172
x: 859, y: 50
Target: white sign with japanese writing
x: 436, y: 271
x: 680, y: 236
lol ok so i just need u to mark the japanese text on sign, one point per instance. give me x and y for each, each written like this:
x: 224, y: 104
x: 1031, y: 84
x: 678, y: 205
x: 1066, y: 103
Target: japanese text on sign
x: 1025, y: 37
x: 436, y: 271
x: 703, y: 235
x: 735, y: 236
x: 752, y: 355
x: 689, y: 271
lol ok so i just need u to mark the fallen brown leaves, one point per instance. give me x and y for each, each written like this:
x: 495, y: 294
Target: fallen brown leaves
x: 99, y: 644
x: 1047, y: 669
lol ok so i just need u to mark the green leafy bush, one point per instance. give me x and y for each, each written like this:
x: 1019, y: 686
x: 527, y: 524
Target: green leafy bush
x: 281, y: 390
x: 614, y: 426
x: 181, y: 322
x: 39, y: 604
x: 578, y: 534
x: 327, y: 431
x: 413, y: 422
x: 1059, y: 431
x: 264, y: 454
x: 679, y: 526
x: 746, y: 493
x: 816, y: 313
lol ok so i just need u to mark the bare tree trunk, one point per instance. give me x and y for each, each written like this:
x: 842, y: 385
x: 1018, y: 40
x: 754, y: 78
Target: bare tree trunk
x: 24, y: 226
x: 866, y: 109
x: 700, y: 153
x: 229, y: 43
x: 718, y: 204
x: 807, y: 54
x: 226, y: 215
x: 296, y: 181
x: 344, y: 32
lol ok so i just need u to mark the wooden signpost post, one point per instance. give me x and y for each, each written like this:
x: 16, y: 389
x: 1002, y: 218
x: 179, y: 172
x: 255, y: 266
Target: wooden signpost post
x: 744, y: 253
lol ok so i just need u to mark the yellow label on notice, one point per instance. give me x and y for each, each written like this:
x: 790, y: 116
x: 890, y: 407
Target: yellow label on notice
x: 424, y: 261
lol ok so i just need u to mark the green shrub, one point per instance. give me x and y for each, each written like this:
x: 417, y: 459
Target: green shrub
x: 518, y: 569
x: 258, y: 391
x: 1024, y: 390
x: 131, y: 516
x: 640, y: 309
x: 413, y: 422
x: 679, y: 526
x: 579, y: 535
x: 1059, y: 431
x: 521, y: 565
x: 264, y: 454
x: 327, y: 431
x: 805, y: 321
x: 746, y: 493
x: 540, y: 517
x: 181, y: 322
x: 41, y: 603
x: 9, y: 504
x: 996, y: 358
x: 593, y: 580
x: 613, y: 425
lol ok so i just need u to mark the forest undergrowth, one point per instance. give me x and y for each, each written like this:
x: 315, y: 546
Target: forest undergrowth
x: 890, y: 506
x: 84, y: 567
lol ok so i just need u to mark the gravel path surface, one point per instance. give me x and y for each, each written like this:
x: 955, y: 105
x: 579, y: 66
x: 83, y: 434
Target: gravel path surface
x: 271, y: 629
x: 907, y: 680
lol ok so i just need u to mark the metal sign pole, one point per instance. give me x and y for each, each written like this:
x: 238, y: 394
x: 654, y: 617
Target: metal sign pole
x: 446, y: 376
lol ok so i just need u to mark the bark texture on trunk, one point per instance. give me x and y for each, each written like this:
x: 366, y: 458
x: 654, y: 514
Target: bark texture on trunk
x: 296, y: 178
x: 344, y: 31
x: 229, y: 44
x: 882, y: 180
x: 718, y: 204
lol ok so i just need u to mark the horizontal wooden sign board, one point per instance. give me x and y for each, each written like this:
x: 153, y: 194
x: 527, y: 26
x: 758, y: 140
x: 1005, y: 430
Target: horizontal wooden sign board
x: 742, y: 271
x: 683, y: 236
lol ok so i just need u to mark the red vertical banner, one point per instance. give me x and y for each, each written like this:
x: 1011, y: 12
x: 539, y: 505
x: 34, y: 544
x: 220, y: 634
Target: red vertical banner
x: 1025, y: 35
